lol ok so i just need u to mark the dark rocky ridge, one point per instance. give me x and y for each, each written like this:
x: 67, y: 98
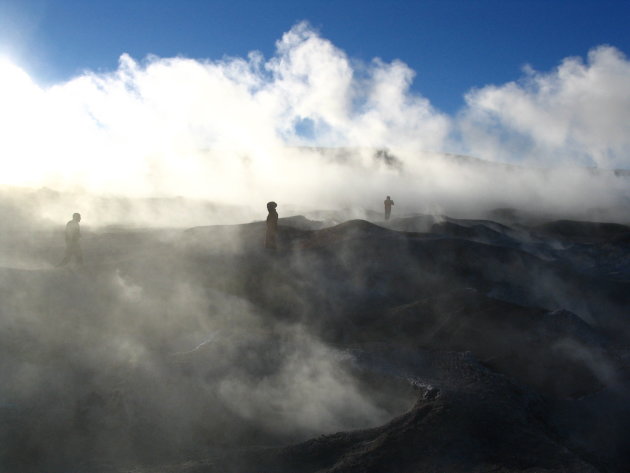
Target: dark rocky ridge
x: 466, y: 418
x: 493, y: 346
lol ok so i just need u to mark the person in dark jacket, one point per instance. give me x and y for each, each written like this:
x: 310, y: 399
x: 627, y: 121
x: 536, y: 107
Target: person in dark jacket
x: 388, y: 207
x: 73, y: 237
x: 272, y: 226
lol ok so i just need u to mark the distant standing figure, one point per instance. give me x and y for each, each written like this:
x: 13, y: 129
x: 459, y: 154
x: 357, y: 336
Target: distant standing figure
x: 73, y: 237
x: 388, y: 207
x: 272, y: 226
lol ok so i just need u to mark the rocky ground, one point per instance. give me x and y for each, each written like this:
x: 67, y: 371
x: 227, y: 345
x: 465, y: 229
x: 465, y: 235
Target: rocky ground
x: 424, y: 343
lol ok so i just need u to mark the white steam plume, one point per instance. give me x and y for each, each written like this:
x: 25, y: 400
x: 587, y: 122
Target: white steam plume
x: 207, y: 129
x: 247, y: 130
x: 578, y: 113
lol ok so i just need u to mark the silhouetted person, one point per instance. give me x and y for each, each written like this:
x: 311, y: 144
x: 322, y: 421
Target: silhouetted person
x: 272, y: 226
x: 388, y: 207
x: 73, y: 237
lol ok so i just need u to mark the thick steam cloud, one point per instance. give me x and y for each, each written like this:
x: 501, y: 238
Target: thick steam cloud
x: 577, y: 113
x: 305, y: 127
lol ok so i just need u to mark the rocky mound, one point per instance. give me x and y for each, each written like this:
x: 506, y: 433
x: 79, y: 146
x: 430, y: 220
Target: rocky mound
x: 427, y: 343
x: 466, y: 419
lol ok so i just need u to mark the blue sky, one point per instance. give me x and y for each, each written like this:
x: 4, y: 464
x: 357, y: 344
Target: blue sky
x: 452, y: 45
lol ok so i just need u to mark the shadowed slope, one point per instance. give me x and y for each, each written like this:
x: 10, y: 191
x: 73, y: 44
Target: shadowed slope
x: 466, y: 419
x: 173, y: 346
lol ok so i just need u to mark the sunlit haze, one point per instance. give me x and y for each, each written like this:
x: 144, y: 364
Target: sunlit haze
x: 314, y: 236
x: 303, y: 123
